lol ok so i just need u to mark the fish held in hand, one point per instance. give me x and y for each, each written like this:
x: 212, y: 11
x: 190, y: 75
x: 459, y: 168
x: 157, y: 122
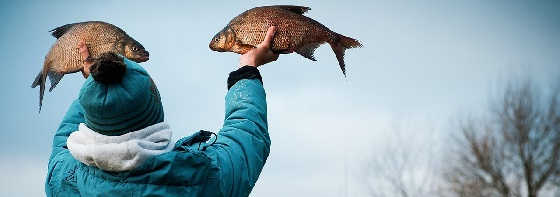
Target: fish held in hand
x: 99, y: 37
x: 294, y: 33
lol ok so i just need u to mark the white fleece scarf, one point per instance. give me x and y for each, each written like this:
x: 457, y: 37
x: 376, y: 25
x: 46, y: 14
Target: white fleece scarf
x: 119, y: 153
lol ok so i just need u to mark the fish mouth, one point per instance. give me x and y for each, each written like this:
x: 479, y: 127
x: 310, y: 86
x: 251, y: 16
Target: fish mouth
x: 143, y: 58
x: 140, y: 59
x: 218, y: 49
x: 211, y: 46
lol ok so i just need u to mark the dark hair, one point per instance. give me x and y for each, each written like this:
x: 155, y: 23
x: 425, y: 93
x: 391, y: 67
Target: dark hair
x: 109, y: 68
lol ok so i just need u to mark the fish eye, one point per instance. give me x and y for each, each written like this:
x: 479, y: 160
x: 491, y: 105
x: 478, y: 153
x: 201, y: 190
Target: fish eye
x: 134, y: 48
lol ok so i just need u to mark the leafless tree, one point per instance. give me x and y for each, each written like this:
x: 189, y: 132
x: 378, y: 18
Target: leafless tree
x: 403, y: 165
x: 514, y: 152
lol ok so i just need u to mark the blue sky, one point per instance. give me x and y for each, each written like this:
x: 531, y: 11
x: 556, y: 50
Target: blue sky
x: 424, y: 62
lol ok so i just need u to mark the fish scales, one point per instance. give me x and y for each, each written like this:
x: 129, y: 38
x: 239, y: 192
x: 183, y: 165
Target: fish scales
x: 99, y: 37
x: 69, y: 57
x: 294, y: 33
x: 291, y: 30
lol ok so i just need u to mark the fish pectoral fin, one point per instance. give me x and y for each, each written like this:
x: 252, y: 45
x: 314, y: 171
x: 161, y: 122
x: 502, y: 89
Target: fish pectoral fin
x: 241, y: 48
x: 293, y: 8
x: 308, y: 50
x: 54, y: 77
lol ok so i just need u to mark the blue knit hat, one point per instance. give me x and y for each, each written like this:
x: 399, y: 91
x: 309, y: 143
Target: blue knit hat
x: 118, y: 108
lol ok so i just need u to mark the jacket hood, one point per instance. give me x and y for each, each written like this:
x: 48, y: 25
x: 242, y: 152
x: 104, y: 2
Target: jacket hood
x: 119, y: 153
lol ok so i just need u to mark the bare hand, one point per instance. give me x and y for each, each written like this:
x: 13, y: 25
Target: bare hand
x: 262, y: 54
x: 84, y: 54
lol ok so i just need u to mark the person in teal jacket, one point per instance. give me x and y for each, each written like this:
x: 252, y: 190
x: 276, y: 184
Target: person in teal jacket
x: 113, y: 140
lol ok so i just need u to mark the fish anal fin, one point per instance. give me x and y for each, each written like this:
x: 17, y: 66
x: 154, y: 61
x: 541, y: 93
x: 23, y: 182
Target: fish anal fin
x: 293, y: 8
x: 283, y: 51
x: 54, y: 77
x: 308, y: 50
x: 59, y: 31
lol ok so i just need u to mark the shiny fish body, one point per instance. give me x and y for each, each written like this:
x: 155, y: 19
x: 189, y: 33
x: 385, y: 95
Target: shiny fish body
x: 99, y: 37
x: 294, y: 33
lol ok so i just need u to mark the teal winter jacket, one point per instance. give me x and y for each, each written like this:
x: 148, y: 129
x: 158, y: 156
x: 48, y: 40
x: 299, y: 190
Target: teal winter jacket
x: 229, y: 167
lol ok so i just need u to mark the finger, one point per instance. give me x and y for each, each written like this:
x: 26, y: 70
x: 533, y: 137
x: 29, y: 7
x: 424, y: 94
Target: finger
x: 81, y: 44
x: 84, y: 53
x: 269, y: 37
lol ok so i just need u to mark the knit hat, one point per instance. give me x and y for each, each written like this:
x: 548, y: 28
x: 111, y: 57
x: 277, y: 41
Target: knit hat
x: 119, y: 98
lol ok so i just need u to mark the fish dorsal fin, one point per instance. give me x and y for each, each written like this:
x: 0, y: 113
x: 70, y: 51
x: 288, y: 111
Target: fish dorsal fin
x: 59, y: 31
x: 293, y: 8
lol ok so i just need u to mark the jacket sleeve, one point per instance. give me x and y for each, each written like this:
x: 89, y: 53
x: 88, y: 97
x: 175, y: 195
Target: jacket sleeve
x: 243, y: 144
x: 74, y: 116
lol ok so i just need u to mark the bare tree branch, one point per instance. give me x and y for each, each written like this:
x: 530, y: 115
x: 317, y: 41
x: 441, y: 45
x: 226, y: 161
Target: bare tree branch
x: 403, y: 166
x: 516, y: 151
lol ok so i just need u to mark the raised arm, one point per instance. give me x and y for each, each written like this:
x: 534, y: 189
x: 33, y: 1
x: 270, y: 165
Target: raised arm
x: 243, y: 144
x: 75, y: 114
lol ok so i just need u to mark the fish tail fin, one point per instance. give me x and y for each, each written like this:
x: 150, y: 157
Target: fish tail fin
x: 40, y: 81
x: 349, y: 43
x: 340, y: 45
x: 54, y: 77
x: 37, y: 80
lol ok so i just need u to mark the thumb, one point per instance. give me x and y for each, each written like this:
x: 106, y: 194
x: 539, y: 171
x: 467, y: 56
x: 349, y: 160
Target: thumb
x: 269, y: 37
x: 84, y: 53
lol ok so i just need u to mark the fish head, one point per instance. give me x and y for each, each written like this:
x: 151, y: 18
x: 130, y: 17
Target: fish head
x: 134, y: 51
x: 223, y: 41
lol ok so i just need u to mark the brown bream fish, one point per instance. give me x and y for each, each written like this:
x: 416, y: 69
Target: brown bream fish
x: 295, y: 33
x: 99, y: 37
